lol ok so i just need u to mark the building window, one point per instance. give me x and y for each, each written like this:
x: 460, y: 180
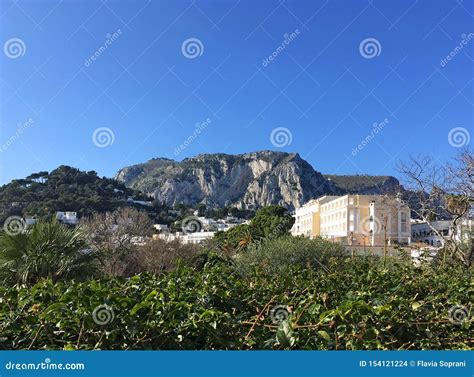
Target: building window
x: 404, y: 222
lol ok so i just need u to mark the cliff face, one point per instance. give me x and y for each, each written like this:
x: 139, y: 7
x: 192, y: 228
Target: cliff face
x: 248, y: 180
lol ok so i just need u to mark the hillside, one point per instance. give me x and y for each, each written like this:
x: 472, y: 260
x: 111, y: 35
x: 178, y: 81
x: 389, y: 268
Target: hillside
x: 63, y: 189
x: 247, y: 181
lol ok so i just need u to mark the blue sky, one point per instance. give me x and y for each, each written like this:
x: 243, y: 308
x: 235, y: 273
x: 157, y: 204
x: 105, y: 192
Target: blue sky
x: 345, y: 66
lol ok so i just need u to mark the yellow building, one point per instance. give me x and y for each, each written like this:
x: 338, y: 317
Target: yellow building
x: 355, y: 220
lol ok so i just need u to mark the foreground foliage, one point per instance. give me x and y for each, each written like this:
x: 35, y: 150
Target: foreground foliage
x: 348, y: 304
x: 48, y: 249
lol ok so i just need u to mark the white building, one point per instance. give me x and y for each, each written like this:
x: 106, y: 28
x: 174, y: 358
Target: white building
x: 422, y: 232
x: 185, y: 238
x: 161, y: 227
x: 67, y: 217
x: 30, y: 221
x: 307, y: 217
x: 208, y: 228
x: 368, y: 220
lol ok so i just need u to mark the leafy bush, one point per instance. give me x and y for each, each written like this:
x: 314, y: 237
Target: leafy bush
x: 274, y: 256
x: 350, y: 304
x: 158, y: 256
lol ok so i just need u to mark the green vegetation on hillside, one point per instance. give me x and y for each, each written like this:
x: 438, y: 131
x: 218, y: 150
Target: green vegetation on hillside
x: 64, y: 189
x: 360, y: 183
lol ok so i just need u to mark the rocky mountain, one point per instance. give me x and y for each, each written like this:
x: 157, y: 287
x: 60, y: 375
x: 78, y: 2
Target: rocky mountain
x: 249, y: 180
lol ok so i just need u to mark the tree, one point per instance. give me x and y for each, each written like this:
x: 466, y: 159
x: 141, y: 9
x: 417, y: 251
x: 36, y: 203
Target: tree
x: 232, y: 238
x: 201, y: 208
x: 115, y: 235
x: 269, y: 222
x: 272, y: 221
x: 45, y: 250
x: 443, y: 192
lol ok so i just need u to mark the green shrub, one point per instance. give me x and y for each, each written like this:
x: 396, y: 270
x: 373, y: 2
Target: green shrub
x: 350, y: 304
x: 274, y: 256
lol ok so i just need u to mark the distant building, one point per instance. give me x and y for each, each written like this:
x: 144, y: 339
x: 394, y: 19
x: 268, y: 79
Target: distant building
x: 355, y: 220
x: 198, y: 237
x: 207, y: 229
x: 30, y: 221
x: 185, y: 238
x: 422, y: 232
x: 67, y: 217
x: 161, y: 227
x: 308, y: 217
x: 139, y: 240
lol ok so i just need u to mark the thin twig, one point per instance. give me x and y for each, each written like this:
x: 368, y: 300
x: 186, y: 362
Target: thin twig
x: 80, y: 335
x: 36, y: 336
x: 259, y: 315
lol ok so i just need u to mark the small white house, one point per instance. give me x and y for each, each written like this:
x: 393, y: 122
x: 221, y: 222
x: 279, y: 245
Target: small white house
x: 185, y: 238
x: 161, y: 227
x: 30, y: 221
x: 422, y: 232
x: 67, y: 217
